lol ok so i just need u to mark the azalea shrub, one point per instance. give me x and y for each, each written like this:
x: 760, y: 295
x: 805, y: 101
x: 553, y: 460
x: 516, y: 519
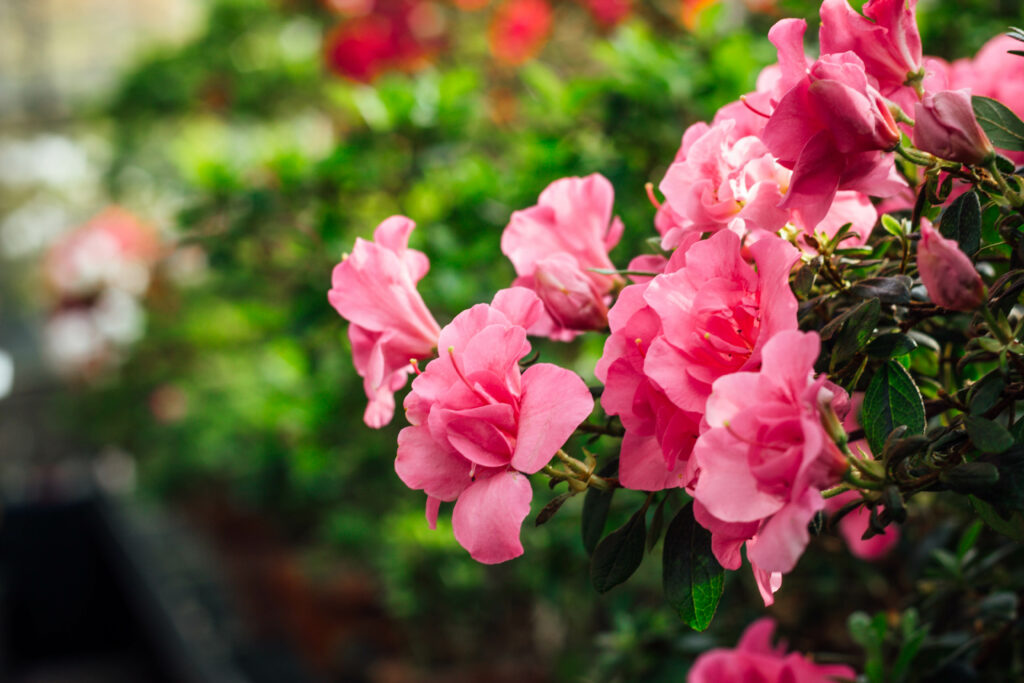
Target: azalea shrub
x: 822, y: 338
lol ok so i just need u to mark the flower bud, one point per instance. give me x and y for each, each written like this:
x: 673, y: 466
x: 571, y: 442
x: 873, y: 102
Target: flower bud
x: 568, y: 294
x: 947, y: 273
x: 945, y: 126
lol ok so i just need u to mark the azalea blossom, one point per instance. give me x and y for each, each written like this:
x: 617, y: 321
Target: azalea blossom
x: 766, y: 456
x: 756, y: 659
x: 885, y: 38
x: 375, y: 290
x: 716, y: 312
x: 655, y: 452
x: 555, y: 247
x: 479, y: 424
x: 831, y: 127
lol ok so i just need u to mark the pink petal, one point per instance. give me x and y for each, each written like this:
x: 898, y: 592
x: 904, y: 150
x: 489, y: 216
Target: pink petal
x: 488, y: 515
x: 784, y: 536
x: 424, y: 464
x: 554, y: 402
x: 433, y: 507
x: 642, y: 466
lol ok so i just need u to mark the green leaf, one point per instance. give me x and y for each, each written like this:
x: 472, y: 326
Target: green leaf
x: 889, y: 290
x: 986, y: 435
x: 985, y: 393
x: 893, y: 226
x: 595, y: 509
x: 971, y: 477
x: 968, y: 538
x: 619, y: 554
x: 657, y: 522
x: 1012, y: 527
x: 1000, y: 124
x: 692, y: 578
x: 962, y: 222
x: 892, y: 399
x: 857, y: 330
x: 890, y: 345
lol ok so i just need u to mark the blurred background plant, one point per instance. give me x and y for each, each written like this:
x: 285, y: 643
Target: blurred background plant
x: 258, y: 139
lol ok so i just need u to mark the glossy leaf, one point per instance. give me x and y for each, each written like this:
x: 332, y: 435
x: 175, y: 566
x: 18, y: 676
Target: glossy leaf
x: 620, y: 553
x: 962, y: 222
x: 692, y: 578
x: 1003, y: 127
x: 892, y: 399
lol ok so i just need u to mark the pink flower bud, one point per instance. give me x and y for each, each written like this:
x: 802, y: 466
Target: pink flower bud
x: 569, y: 296
x: 947, y: 273
x: 945, y: 126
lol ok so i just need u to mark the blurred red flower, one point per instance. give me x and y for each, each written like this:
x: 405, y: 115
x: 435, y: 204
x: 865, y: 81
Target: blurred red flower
x: 608, y: 13
x: 395, y: 35
x: 519, y: 30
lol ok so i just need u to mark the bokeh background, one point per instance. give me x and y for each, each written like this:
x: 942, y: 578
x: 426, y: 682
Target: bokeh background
x: 188, y: 491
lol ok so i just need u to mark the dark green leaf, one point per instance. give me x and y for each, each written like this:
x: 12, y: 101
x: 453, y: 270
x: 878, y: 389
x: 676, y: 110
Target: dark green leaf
x: 986, y: 435
x: 890, y: 345
x: 962, y: 222
x: 549, y: 510
x: 803, y: 281
x: 692, y: 578
x: 619, y: 554
x: 985, y: 394
x: 889, y: 290
x: 857, y: 330
x: 1012, y: 527
x: 970, y: 477
x: 595, y: 509
x: 657, y: 522
x: 892, y: 399
x: 1002, y: 126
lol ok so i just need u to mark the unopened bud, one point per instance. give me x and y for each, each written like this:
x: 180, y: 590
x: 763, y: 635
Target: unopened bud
x: 947, y: 273
x: 945, y: 126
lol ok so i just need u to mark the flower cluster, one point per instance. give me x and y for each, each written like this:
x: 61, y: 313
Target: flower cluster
x: 712, y: 369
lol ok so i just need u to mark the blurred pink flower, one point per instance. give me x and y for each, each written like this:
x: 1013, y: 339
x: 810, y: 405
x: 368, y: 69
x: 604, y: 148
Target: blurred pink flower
x: 113, y: 249
x: 479, y: 425
x: 946, y: 272
x: 375, y: 290
x: 572, y: 221
x: 765, y: 456
x: 755, y: 660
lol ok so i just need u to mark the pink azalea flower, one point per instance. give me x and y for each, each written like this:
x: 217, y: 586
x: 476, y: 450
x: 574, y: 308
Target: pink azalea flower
x: 755, y: 659
x: 659, y: 436
x: 765, y: 457
x: 721, y: 181
x: 886, y: 39
x: 716, y: 312
x: 831, y: 127
x: 479, y: 425
x: 946, y: 272
x: 573, y: 222
x: 375, y: 290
